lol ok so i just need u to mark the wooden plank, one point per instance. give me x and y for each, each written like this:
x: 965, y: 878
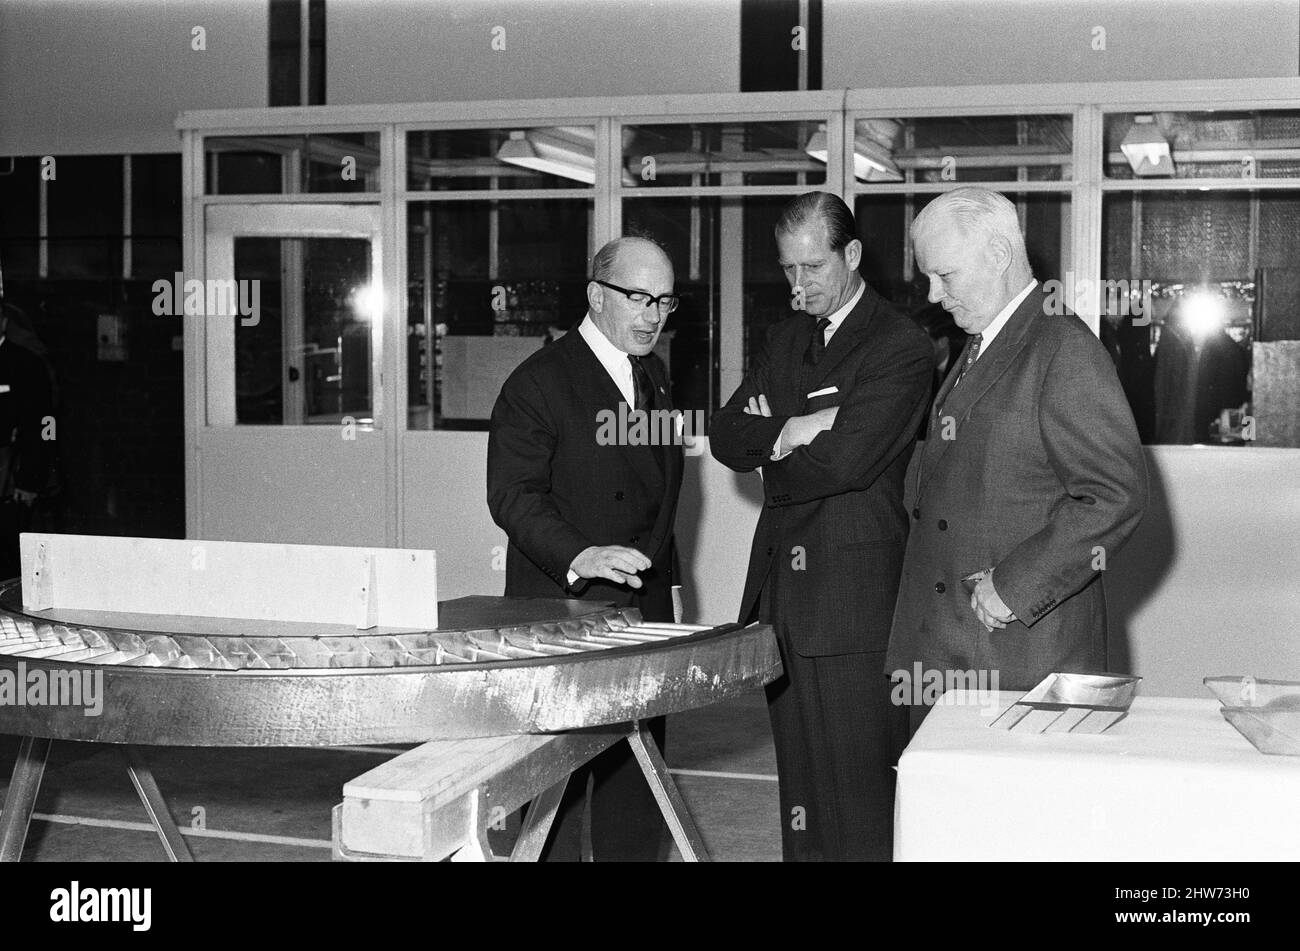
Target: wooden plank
x: 443, y: 770
x: 440, y: 797
x: 220, y: 579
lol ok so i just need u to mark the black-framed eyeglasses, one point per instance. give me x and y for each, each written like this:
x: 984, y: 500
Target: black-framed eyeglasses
x: 667, y: 303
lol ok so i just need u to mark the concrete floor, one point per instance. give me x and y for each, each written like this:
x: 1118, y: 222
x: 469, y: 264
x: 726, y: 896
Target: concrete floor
x: 274, y: 805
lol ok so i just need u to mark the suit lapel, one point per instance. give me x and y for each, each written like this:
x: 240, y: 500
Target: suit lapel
x: 956, y: 403
x: 673, y: 462
x: 847, y: 336
x: 787, y: 396
x: 588, y: 374
x: 598, y: 391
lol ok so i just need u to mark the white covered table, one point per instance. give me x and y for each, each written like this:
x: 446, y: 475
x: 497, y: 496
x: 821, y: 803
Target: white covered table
x: 1172, y: 781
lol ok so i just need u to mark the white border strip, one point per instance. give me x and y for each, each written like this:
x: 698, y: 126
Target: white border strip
x: 197, y: 833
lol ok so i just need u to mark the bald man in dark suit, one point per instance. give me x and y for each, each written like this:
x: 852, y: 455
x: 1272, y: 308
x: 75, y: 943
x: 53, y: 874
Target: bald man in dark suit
x: 592, y: 518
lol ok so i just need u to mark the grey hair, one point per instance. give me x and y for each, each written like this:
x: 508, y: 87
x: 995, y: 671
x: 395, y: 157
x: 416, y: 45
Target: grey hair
x: 974, y: 210
x: 606, y: 259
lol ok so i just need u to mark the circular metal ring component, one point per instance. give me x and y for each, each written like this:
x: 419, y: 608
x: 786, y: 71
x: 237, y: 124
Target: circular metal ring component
x: 584, y: 665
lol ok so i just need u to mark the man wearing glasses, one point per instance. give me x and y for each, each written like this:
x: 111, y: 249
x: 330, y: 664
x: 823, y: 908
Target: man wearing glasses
x: 589, y: 516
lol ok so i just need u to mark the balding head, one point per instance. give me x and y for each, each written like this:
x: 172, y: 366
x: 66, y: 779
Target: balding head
x: 627, y: 251
x: 629, y: 265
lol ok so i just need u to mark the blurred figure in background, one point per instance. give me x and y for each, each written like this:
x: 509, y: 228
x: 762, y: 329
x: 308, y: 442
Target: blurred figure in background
x: 27, y: 432
x: 1200, y: 371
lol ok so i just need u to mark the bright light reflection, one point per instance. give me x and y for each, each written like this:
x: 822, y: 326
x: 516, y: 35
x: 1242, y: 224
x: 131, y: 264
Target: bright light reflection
x: 368, y: 301
x: 1202, y: 313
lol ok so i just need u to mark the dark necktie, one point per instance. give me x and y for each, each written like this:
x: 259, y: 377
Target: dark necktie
x: 817, y: 345
x: 642, y: 386
x: 644, y: 392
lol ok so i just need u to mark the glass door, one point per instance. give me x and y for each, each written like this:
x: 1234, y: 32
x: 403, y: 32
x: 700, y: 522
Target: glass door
x: 293, y: 315
x: 293, y: 447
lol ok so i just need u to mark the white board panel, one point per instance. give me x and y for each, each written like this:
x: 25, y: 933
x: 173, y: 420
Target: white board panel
x: 364, y: 587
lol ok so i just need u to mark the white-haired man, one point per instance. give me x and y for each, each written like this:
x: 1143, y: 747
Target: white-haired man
x: 1032, y: 477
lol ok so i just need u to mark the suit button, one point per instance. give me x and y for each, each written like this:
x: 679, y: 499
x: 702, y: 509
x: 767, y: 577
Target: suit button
x: 940, y: 587
x: 943, y: 524
x: 618, y: 496
x: 916, y: 513
x: 770, y: 550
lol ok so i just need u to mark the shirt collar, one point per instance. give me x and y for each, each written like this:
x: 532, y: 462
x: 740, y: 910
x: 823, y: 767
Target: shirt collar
x: 837, y: 318
x: 1000, y: 321
x: 613, y: 359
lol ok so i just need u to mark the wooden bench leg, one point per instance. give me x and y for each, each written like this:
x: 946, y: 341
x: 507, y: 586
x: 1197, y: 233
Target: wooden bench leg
x: 680, y: 823
x: 20, y: 800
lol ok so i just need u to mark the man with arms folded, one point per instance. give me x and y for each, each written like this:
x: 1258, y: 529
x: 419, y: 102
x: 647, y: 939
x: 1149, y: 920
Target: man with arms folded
x: 829, y: 410
x: 1032, y: 477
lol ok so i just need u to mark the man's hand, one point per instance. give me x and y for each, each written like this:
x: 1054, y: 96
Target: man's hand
x: 987, y: 604
x: 25, y: 497
x: 614, y: 562
x: 801, y: 430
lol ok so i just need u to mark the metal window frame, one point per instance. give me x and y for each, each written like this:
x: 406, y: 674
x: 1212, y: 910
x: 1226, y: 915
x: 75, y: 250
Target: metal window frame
x: 1087, y: 103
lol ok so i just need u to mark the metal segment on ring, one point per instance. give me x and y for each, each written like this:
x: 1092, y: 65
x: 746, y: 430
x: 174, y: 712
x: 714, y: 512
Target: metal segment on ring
x: 33, y: 638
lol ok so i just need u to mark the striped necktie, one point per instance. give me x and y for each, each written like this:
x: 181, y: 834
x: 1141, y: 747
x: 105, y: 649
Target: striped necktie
x: 971, y: 356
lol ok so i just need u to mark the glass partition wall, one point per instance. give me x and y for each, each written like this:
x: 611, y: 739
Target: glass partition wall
x: 1201, y: 240
x: 1167, y: 214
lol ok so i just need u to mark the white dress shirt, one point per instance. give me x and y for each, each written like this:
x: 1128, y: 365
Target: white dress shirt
x: 836, y: 319
x: 614, y: 360
x: 619, y: 368
x: 1000, y: 321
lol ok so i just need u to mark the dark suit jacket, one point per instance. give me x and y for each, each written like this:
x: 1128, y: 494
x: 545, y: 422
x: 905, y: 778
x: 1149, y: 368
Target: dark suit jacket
x: 556, y: 490
x: 833, y: 525
x: 1043, y: 478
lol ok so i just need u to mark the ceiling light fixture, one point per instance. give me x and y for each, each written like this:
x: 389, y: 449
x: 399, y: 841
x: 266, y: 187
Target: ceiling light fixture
x: 1146, y: 148
x: 566, y: 151
x: 872, y: 162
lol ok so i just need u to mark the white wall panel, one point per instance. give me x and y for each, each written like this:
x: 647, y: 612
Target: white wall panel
x: 970, y: 42
x: 86, y: 77
x: 381, y: 51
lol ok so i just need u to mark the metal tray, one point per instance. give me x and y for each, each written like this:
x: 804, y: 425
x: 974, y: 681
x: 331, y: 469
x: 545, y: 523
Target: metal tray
x: 1265, y: 712
x: 1253, y: 693
x: 1071, y: 703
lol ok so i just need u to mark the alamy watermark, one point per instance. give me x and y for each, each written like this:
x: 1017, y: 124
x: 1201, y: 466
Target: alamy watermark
x: 213, y: 298
x: 77, y: 903
x: 1120, y: 298
x: 656, y: 427
x: 39, y: 687
x: 925, y: 687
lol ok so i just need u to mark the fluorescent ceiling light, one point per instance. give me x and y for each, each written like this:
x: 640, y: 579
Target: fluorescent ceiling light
x: 569, y: 152
x: 1146, y: 148
x: 871, y: 161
